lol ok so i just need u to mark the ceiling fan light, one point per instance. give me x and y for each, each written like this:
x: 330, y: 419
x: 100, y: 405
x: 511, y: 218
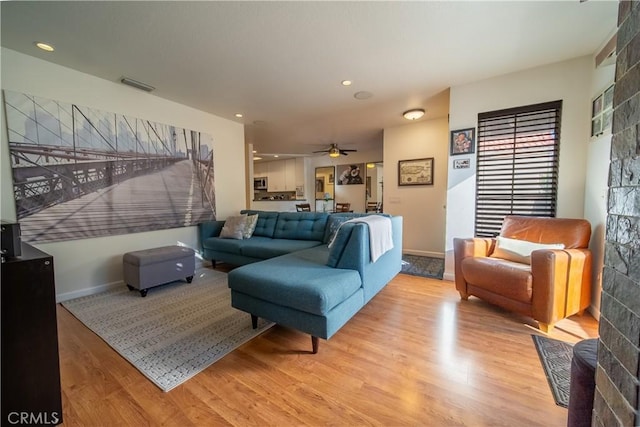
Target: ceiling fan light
x: 414, y: 114
x: 334, y: 152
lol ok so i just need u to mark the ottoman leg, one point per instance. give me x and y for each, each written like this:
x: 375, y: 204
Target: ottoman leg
x: 189, y: 279
x: 143, y: 293
x: 131, y: 288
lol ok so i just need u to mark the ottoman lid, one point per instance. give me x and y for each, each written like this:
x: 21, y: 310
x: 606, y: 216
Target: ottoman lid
x: 156, y: 255
x: 585, y: 354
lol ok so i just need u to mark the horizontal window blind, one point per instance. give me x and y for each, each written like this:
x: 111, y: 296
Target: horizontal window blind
x: 517, y: 164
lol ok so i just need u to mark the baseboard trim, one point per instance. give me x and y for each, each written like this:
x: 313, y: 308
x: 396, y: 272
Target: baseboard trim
x: 423, y: 253
x: 449, y: 276
x: 66, y: 296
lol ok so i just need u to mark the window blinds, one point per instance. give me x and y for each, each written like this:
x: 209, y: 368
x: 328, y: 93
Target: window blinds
x: 517, y: 170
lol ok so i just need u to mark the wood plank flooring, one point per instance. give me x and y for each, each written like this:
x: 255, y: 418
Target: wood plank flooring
x: 415, y: 355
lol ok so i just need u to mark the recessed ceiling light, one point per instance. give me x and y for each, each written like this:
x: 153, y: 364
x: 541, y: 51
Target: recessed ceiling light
x: 238, y: 115
x: 346, y: 82
x: 414, y: 114
x: 255, y: 151
x: 44, y: 46
x: 362, y: 95
x: 275, y: 155
x: 257, y: 158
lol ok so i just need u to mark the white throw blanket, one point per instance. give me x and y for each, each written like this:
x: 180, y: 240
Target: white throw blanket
x: 380, y: 238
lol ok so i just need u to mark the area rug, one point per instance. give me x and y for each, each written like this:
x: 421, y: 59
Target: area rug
x: 423, y: 266
x: 175, y: 332
x: 555, y: 357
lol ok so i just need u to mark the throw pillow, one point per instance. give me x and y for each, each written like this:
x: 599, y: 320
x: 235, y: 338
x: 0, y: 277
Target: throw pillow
x: 333, y: 224
x: 250, y: 226
x: 234, y: 227
x: 519, y: 250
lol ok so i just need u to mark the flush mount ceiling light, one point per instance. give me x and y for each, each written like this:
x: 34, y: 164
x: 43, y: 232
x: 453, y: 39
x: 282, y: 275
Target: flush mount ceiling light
x: 346, y: 83
x: 45, y: 46
x: 238, y: 115
x: 414, y: 114
x: 137, y: 84
x: 371, y: 165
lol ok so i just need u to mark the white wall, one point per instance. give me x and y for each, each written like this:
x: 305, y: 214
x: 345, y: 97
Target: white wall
x: 596, y: 188
x: 569, y: 81
x: 85, y: 266
x: 423, y: 207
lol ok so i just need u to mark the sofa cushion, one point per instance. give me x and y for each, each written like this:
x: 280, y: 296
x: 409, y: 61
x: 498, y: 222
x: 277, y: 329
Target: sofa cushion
x: 301, y: 225
x: 266, y: 222
x: 219, y: 244
x: 298, y: 281
x: 234, y: 227
x: 264, y: 248
x: 519, y: 250
x: 512, y: 280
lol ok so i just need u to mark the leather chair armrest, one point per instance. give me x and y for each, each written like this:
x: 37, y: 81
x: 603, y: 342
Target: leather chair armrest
x: 561, y: 283
x: 469, y: 247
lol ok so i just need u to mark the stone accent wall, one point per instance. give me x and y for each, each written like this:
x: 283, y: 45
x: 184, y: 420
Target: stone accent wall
x: 617, y: 402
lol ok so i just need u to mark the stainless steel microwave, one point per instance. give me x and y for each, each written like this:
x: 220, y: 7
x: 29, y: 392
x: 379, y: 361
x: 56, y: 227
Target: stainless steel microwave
x: 259, y: 183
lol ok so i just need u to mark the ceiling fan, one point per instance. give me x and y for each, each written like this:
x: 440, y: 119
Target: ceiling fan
x: 334, y: 151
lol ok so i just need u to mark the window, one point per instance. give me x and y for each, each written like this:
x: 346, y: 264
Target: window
x: 517, y: 171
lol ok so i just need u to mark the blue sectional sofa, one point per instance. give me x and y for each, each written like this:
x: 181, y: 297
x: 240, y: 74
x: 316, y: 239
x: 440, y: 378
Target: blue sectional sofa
x: 276, y: 233
x: 305, y: 285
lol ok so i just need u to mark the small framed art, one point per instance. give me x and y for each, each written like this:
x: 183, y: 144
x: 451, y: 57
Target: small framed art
x: 461, y: 163
x: 463, y: 141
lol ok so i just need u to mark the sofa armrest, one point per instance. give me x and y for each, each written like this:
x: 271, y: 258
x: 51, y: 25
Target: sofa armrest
x: 561, y: 283
x: 209, y: 229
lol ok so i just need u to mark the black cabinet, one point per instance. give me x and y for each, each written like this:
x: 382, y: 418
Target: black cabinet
x: 30, y: 365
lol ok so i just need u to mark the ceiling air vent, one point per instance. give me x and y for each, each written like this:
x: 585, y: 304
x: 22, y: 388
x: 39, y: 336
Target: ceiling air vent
x: 137, y: 84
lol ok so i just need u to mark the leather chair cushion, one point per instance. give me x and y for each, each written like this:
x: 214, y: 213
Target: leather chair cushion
x: 573, y: 233
x: 510, y: 279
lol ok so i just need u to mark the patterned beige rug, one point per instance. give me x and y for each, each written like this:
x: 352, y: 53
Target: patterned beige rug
x: 175, y: 332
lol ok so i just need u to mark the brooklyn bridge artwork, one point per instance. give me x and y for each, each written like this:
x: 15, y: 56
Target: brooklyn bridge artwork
x: 82, y: 173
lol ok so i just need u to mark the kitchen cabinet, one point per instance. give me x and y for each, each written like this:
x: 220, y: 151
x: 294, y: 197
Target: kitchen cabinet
x: 276, y: 176
x: 260, y: 169
x: 283, y: 175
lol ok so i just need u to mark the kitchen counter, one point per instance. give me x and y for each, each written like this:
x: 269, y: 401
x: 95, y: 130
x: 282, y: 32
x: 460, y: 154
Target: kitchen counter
x: 276, y: 205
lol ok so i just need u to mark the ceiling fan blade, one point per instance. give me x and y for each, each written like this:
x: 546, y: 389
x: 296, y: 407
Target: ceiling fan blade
x: 321, y: 151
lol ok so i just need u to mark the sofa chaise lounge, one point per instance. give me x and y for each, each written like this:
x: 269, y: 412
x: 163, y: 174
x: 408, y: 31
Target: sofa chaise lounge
x: 315, y: 289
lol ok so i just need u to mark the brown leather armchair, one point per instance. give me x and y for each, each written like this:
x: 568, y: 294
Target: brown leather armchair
x: 555, y: 285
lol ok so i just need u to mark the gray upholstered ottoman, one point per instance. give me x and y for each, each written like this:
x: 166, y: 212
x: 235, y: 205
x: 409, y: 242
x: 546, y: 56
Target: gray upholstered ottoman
x: 151, y: 267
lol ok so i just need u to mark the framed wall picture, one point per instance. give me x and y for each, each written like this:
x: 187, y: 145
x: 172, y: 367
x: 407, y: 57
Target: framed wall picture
x: 461, y: 163
x: 463, y: 141
x: 350, y: 174
x: 415, y: 172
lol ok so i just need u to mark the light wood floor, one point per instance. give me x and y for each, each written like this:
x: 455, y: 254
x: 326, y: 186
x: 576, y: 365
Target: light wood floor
x: 415, y: 355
